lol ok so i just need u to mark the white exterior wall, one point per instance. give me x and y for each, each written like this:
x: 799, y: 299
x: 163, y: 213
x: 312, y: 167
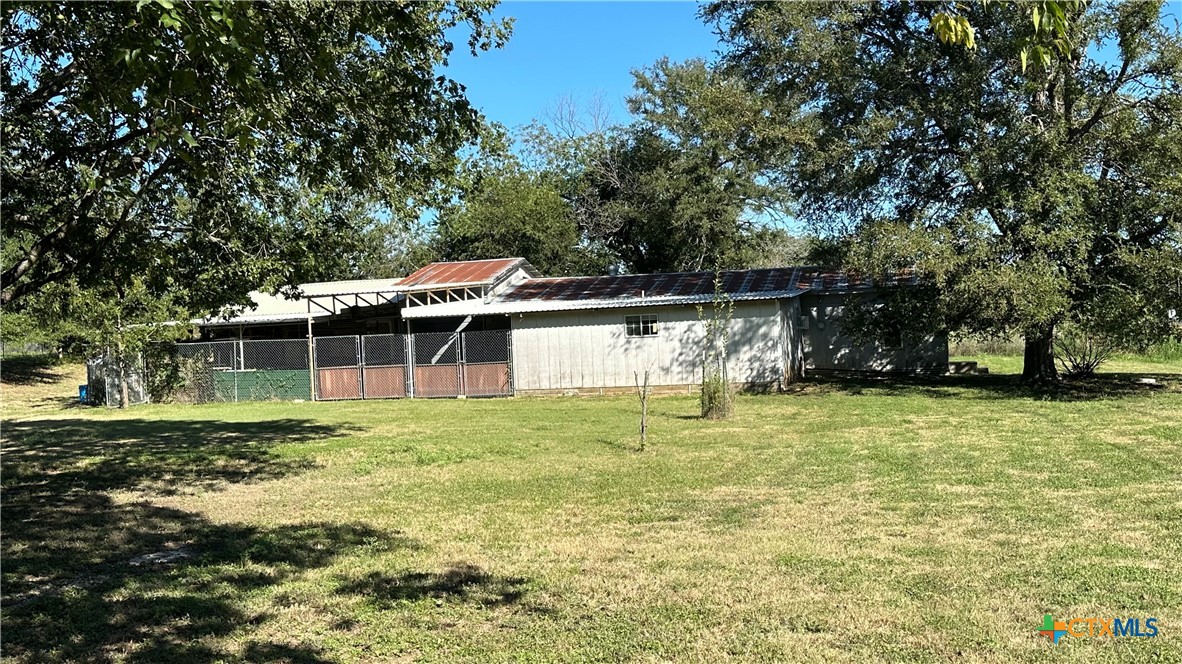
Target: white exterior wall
x: 570, y: 350
x: 827, y: 347
x: 793, y: 343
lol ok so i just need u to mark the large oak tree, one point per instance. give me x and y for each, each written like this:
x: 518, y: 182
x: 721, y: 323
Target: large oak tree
x: 202, y: 150
x: 1028, y: 195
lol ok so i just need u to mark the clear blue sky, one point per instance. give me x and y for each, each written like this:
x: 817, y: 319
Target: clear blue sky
x: 583, y: 50
x: 576, y: 49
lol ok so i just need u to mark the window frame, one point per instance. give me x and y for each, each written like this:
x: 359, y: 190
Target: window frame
x: 646, y: 326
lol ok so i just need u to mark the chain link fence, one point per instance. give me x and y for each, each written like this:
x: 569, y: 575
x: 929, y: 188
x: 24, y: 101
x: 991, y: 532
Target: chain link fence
x: 105, y: 378
x: 377, y: 366
x: 436, y: 364
x: 338, y: 368
x: 485, y: 363
x: 25, y: 348
x: 226, y: 371
x: 384, y: 358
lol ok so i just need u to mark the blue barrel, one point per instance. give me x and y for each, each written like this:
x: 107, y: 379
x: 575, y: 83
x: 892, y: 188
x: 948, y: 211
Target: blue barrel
x: 82, y: 394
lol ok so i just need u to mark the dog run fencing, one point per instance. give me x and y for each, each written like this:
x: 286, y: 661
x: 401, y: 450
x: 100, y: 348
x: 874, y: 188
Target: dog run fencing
x: 240, y: 370
x: 424, y: 365
x: 106, y: 376
x: 377, y: 366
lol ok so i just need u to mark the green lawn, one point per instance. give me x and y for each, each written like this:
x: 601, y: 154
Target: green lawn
x: 846, y: 521
x: 1129, y: 364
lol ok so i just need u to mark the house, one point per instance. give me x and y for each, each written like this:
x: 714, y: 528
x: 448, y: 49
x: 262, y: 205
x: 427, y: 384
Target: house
x: 496, y: 326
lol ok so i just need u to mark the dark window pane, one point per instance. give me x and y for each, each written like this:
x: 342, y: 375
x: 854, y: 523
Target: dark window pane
x: 641, y: 325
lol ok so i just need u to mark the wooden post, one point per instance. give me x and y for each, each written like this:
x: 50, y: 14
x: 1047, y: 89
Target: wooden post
x: 642, y: 392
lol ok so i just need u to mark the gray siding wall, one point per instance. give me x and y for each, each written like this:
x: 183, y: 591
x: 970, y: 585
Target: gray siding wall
x: 793, y: 343
x: 571, y: 350
x: 827, y: 347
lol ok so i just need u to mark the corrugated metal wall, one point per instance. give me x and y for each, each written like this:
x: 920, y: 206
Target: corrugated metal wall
x: 793, y: 344
x: 588, y: 349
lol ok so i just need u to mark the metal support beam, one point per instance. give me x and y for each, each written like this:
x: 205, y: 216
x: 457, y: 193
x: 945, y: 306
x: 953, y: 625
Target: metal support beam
x: 311, y: 361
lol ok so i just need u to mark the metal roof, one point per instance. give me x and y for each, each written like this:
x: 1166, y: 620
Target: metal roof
x: 638, y: 290
x: 353, y: 287
x: 557, y: 293
x: 462, y: 273
x: 248, y: 318
x: 498, y: 306
x: 734, y: 283
x: 268, y: 308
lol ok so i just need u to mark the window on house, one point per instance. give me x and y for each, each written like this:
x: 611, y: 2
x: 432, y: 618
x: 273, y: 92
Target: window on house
x: 643, y: 325
x: 893, y: 338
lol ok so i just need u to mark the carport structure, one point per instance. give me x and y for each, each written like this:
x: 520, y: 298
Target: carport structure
x: 495, y: 327
x: 445, y: 357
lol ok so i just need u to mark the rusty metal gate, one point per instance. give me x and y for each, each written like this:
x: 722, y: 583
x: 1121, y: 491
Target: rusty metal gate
x: 425, y: 364
x: 383, y: 366
x: 338, y: 367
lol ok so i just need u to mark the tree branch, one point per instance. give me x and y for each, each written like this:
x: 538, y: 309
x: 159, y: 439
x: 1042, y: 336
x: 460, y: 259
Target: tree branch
x: 49, y: 242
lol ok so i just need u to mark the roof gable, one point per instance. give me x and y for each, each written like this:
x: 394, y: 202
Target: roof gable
x: 463, y: 273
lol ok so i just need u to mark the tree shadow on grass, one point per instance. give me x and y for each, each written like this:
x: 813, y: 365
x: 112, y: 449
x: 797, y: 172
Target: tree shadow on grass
x: 173, y: 611
x: 1104, y: 386
x: 160, y: 456
x: 30, y: 369
x: 86, y: 577
x: 459, y: 583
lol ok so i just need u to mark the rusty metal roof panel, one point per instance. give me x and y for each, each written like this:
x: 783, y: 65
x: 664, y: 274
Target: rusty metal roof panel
x: 435, y: 275
x: 739, y: 284
x: 680, y: 288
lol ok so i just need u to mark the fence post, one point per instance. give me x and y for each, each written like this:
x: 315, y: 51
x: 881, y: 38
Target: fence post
x: 360, y: 355
x: 461, y: 364
x: 410, y: 362
x: 145, y: 393
x: 509, y: 360
x: 311, y: 364
x: 238, y: 362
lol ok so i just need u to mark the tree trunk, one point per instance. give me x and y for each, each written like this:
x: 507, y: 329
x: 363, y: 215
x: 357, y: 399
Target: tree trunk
x: 123, y: 392
x: 643, y: 391
x: 121, y: 358
x: 1038, y: 363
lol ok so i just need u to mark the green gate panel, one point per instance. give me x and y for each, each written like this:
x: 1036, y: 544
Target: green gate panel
x: 273, y: 385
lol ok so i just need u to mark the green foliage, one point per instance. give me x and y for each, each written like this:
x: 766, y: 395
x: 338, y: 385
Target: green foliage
x: 972, y: 345
x: 506, y: 209
x: 516, y: 213
x: 19, y: 329
x: 679, y: 187
x: 953, y: 29
x: 1051, y: 33
x: 220, y: 146
x: 123, y: 323
x: 170, y: 377
x: 1024, y: 200
x: 1166, y: 351
x: 394, y: 249
x: 128, y: 318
